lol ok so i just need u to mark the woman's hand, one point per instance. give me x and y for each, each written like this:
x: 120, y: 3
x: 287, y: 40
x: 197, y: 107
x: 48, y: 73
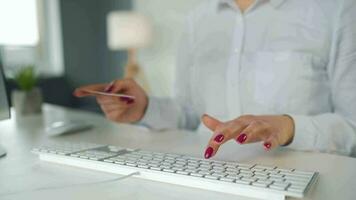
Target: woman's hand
x: 273, y: 131
x: 119, y: 109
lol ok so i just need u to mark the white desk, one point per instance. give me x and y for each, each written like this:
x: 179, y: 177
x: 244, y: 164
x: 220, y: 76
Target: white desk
x: 21, y: 172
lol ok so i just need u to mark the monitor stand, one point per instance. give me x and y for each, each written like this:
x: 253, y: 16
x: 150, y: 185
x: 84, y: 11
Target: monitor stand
x: 2, y: 152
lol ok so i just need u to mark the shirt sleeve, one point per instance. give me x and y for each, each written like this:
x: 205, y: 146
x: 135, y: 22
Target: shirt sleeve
x: 335, y: 132
x: 176, y: 112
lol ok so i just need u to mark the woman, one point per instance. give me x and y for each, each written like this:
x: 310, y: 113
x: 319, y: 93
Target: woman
x: 279, y: 72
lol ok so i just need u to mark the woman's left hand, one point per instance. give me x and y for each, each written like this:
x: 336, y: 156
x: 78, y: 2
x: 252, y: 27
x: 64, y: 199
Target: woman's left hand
x: 271, y: 130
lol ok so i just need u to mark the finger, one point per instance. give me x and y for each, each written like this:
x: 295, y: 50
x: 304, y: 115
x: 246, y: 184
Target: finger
x: 223, y: 133
x: 104, y: 100
x: 113, y: 107
x: 123, y: 86
x: 271, y: 142
x: 256, y: 131
x: 109, y: 87
x: 231, y: 129
x: 82, y: 91
x: 217, y: 139
x: 114, y: 115
x: 210, y: 122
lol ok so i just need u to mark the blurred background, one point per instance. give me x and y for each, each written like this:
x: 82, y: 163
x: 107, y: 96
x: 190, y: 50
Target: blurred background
x: 70, y: 43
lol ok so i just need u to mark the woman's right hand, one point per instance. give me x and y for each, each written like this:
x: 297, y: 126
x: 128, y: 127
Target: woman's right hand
x: 119, y: 109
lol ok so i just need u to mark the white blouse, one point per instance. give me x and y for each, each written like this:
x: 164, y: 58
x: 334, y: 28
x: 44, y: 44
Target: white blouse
x: 295, y: 57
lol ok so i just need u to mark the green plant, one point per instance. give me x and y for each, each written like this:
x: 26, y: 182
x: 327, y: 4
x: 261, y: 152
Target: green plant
x: 26, y: 78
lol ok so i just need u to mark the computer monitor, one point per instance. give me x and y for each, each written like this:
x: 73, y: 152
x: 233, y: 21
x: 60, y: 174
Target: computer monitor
x: 4, y: 104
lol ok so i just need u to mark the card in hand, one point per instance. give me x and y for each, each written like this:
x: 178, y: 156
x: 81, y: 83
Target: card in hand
x: 109, y: 94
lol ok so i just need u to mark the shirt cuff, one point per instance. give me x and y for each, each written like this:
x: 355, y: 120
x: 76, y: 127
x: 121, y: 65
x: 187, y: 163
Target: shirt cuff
x: 303, y: 138
x: 150, y: 116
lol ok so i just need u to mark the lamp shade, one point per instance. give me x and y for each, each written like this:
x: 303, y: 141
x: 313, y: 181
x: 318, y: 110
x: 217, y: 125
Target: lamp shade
x: 128, y: 30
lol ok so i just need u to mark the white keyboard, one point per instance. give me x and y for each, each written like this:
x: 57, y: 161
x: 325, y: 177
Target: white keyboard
x: 257, y: 181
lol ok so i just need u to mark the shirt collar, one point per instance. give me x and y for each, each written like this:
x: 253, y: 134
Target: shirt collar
x: 231, y: 3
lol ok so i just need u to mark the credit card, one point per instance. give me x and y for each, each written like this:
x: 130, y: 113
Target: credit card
x: 109, y: 94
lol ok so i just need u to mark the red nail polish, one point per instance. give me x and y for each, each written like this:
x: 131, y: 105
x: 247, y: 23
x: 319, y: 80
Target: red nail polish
x: 219, y: 138
x: 267, y: 145
x: 130, y: 101
x: 125, y: 99
x: 109, y: 88
x: 208, y: 152
x: 242, y: 138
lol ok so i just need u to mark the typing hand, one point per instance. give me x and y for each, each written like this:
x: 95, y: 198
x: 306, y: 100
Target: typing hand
x: 272, y: 130
x: 119, y: 109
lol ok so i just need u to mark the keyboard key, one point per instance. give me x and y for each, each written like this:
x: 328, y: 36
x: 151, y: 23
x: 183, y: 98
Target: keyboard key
x: 295, y: 189
x: 284, y: 169
x: 277, y: 176
x: 156, y: 168
x: 278, y: 187
x: 260, y: 176
x: 182, y: 172
x: 207, y: 167
x: 169, y: 170
x: 305, y: 173
x: 178, y: 168
x: 191, y: 170
x: 180, y: 163
x: 284, y: 185
x: 239, y: 181
x: 246, y: 165
x: 264, y: 181
x: 227, y: 179
x: 249, y: 179
x: 196, y: 174
x: 264, y: 167
x: 85, y: 157
x: 247, y: 175
x: 191, y: 167
x: 296, y: 178
x: 119, y: 162
x: 218, y: 174
x: 234, y: 176
x: 181, y: 160
x: 131, y: 164
x: 258, y: 184
x: 211, y: 177
x: 204, y: 172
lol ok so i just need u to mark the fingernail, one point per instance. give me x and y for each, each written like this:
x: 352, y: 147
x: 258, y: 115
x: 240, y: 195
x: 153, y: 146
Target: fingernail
x: 125, y: 99
x: 267, y: 145
x: 242, y: 138
x: 219, y: 138
x: 208, y: 153
x: 130, y: 101
x: 109, y: 87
